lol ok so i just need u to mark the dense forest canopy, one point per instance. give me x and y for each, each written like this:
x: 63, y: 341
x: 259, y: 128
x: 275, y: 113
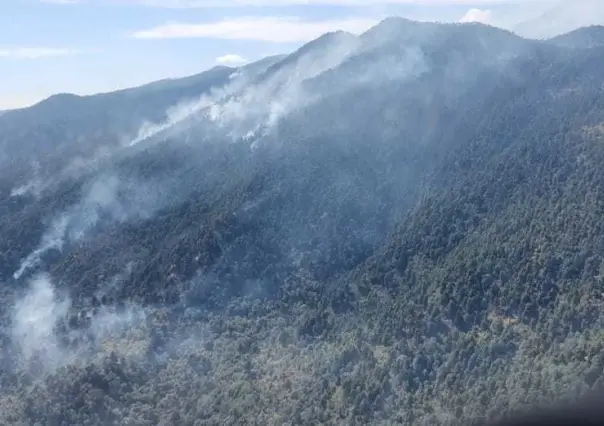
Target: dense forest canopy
x: 400, y: 227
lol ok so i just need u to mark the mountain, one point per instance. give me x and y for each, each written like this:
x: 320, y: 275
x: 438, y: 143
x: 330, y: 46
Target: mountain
x: 563, y: 16
x: 587, y: 37
x: 400, y: 227
x: 55, y: 131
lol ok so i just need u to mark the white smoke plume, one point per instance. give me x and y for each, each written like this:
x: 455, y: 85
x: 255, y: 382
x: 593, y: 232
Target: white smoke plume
x: 34, y: 320
x: 34, y: 186
x: 77, y: 167
x: 109, y: 198
x: 52, y: 239
x: 37, y: 315
x: 253, y: 102
x: 183, y: 111
x: 477, y: 15
x: 176, y: 114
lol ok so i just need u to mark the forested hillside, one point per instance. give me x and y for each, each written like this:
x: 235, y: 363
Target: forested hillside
x: 401, y: 227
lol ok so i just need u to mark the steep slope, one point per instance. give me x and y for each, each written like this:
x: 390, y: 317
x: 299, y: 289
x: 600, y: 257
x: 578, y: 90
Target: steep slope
x: 401, y: 227
x: 501, y: 273
x: 40, y: 141
x: 281, y: 164
x: 67, y: 132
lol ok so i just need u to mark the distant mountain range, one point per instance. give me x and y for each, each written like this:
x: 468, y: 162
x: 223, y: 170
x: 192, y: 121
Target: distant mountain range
x: 588, y: 37
x: 562, y: 17
x: 400, y: 227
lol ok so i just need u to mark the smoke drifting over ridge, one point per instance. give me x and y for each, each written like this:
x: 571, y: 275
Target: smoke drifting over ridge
x: 252, y: 104
x: 247, y: 109
x: 275, y: 289
x: 253, y: 101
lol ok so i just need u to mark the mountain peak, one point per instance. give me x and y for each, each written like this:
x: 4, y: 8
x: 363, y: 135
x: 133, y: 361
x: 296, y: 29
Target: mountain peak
x: 332, y: 46
x: 391, y: 26
x: 365, y: 216
x: 393, y: 21
x: 58, y: 99
x: 398, y: 31
x: 327, y: 39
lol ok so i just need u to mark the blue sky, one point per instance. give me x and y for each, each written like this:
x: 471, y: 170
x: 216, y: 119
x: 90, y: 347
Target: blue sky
x: 89, y: 46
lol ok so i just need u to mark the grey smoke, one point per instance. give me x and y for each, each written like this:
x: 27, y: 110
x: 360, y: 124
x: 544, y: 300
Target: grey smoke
x: 53, y: 238
x: 77, y: 167
x: 252, y: 102
x: 108, y: 198
x: 34, y: 319
x: 33, y: 187
x: 37, y: 315
x: 251, y: 106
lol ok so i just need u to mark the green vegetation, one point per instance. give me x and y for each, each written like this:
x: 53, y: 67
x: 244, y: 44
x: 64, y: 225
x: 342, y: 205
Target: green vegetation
x: 422, y: 250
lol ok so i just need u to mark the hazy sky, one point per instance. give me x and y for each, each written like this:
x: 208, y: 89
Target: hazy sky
x: 87, y: 46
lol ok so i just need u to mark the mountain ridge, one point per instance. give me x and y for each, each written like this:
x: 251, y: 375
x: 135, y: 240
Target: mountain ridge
x: 397, y: 229
x: 395, y: 22
x: 586, y: 37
